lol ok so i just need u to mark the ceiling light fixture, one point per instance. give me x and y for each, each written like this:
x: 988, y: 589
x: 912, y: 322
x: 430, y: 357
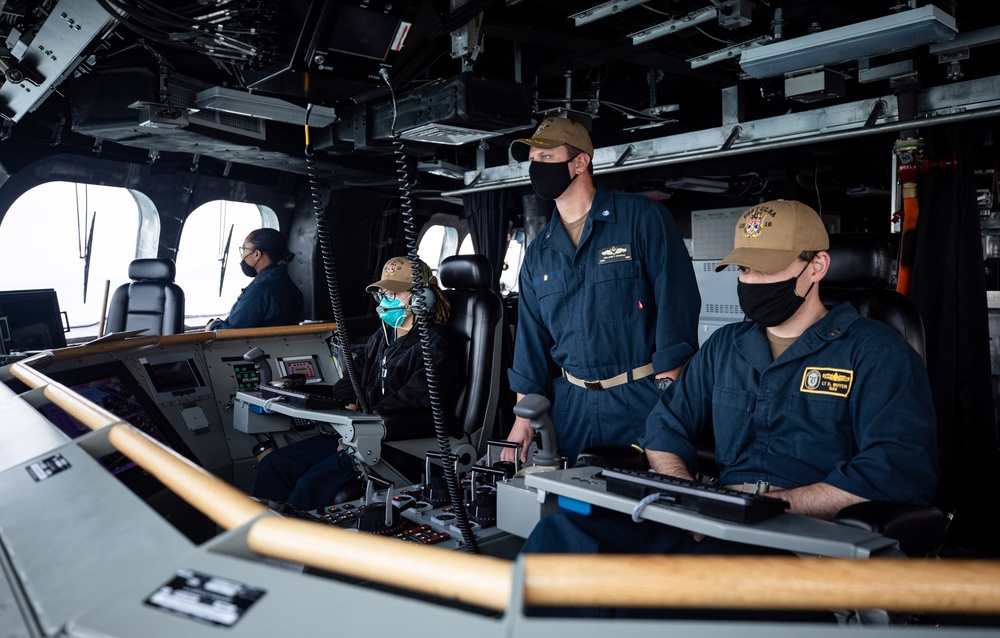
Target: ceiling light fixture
x: 268, y: 108
x: 442, y: 168
x: 604, y: 10
x: 905, y: 30
x: 673, y: 26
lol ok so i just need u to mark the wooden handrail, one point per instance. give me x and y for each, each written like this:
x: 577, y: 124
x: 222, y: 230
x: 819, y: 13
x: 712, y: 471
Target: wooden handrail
x: 277, y: 331
x: 49, y: 357
x: 757, y: 582
x: 220, y: 501
x: 86, y: 412
x: 86, y: 350
x: 763, y: 582
x: 476, y: 580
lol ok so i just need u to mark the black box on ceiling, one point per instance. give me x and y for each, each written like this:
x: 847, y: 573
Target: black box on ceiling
x: 339, y: 48
x: 460, y: 109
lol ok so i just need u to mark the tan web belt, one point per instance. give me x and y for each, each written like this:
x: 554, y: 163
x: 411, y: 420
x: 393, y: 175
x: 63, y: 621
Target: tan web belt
x: 604, y: 384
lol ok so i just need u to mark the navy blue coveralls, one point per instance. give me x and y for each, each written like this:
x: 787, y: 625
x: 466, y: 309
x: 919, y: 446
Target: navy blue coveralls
x: 847, y: 404
x: 625, y: 297
x: 271, y: 299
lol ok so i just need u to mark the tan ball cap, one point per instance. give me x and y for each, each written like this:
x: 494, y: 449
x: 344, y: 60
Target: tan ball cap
x: 397, y: 275
x: 553, y: 132
x: 770, y: 236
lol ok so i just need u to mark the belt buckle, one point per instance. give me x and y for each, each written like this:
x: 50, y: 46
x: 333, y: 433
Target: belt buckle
x: 593, y: 385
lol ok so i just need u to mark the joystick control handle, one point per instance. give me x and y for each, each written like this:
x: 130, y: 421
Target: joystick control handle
x: 536, y: 408
x: 257, y: 358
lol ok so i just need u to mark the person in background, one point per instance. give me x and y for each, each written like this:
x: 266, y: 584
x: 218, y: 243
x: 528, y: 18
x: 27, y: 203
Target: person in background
x: 607, y: 297
x: 308, y: 473
x: 272, y: 298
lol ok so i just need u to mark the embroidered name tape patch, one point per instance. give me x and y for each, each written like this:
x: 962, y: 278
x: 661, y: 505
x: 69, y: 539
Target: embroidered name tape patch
x: 612, y: 254
x: 827, y: 381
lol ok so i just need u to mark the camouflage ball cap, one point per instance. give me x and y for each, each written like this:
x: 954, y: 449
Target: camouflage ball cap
x: 553, y: 132
x: 772, y: 235
x: 397, y: 275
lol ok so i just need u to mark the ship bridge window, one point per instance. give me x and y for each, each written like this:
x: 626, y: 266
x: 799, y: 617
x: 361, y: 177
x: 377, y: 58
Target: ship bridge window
x: 73, y: 238
x: 512, y: 263
x: 208, y: 258
x: 444, y: 236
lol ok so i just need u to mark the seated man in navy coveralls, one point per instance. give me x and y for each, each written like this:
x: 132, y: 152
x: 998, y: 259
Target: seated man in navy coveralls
x: 607, y: 294
x: 826, y: 408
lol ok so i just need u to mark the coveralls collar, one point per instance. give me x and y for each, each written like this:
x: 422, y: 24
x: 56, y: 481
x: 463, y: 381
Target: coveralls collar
x: 752, y: 344
x: 602, y: 209
x: 267, y: 273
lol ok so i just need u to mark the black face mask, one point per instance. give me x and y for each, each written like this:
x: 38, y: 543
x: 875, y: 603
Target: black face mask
x: 247, y: 269
x: 771, y: 304
x: 550, y: 179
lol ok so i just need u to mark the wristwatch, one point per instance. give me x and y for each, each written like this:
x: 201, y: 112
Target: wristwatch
x: 664, y: 383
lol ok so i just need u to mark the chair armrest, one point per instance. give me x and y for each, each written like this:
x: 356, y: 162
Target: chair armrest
x: 920, y: 529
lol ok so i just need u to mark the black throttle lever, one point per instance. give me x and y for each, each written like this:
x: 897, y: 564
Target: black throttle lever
x: 257, y: 358
x: 536, y: 408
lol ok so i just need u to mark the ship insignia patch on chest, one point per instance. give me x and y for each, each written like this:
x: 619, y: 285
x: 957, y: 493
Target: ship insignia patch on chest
x: 833, y: 381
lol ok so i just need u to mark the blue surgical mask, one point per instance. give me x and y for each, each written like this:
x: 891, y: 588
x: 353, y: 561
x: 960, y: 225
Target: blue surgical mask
x: 392, y: 312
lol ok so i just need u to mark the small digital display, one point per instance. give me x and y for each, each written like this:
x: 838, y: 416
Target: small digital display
x: 174, y: 376
x: 246, y: 376
x: 305, y: 368
x: 306, y: 365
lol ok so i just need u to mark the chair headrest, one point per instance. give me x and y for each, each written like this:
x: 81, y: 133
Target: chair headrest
x: 466, y: 271
x: 858, y: 260
x: 157, y: 269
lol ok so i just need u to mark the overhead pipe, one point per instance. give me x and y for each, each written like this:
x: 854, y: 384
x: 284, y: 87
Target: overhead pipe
x: 685, y: 158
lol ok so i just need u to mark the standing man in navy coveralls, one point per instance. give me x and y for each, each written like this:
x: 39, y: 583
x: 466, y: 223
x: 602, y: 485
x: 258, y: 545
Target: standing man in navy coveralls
x: 607, y: 293
x: 825, y: 407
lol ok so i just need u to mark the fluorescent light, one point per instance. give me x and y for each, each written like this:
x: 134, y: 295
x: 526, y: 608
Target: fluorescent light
x: 673, y: 26
x: 604, y: 10
x: 698, y: 184
x: 444, y: 169
x: 729, y: 52
x: 905, y: 30
x: 268, y: 108
x: 451, y: 135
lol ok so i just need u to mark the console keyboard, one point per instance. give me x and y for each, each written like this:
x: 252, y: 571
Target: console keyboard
x: 705, y: 499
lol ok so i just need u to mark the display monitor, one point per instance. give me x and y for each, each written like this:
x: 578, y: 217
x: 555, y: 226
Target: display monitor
x: 30, y: 320
x: 111, y: 387
x: 307, y: 366
x: 358, y: 31
x: 343, y: 48
x: 174, y: 376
